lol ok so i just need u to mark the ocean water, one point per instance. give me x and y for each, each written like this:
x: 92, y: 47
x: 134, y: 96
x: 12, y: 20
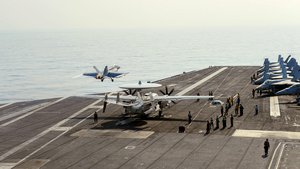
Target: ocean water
x: 46, y: 64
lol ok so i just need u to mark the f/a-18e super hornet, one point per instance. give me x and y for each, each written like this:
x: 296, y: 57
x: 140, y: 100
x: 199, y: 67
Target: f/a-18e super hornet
x: 107, y: 73
x: 284, y: 79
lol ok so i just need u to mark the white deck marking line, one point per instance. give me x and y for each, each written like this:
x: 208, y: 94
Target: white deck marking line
x: 27, y: 114
x: 53, y: 127
x: 200, y: 82
x: 273, y: 156
x: 282, y: 145
x: 23, y: 111
x: 15, y: 149
x: 60, y: 128
x: 280, y: 154
x: 274, y: 106
x: 267, y: 134
x: 6, y: 105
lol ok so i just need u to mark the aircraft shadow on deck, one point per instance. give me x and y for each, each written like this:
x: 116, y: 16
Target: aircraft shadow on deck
x: 136, y: 124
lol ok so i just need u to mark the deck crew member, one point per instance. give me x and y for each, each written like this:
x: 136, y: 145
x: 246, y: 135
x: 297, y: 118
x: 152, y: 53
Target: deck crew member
x: 190, y: 117
x: 222, y: 110
x: 95, y: 117
x: 241, y: 110
x: 224, y: 122
x: 236, y: 110
x: 212, y: 123
x: 238, y: 100
x: 207, y: 127
x: 266, y: 147
x: 217, y: 123
x: 256, y: 109
x: 231, y: 121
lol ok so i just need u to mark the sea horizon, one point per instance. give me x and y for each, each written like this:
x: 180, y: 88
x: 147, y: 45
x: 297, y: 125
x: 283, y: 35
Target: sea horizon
x: 44, y: 64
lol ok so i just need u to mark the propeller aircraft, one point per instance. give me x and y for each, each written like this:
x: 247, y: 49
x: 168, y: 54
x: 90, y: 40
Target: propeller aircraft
x: 147, y: 103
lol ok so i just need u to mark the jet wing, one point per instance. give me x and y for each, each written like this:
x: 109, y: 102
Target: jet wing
x: 285, y: 82
x: 118, y: 100
x: 280, y: 77
x: 176, y: 98
x: 121, y: 103
x: 90, y: 74
x: 115, y: 74
x: 114, y: 98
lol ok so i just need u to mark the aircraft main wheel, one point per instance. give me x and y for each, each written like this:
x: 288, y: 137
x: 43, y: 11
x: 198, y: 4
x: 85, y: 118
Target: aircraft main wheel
x: 144, y: 116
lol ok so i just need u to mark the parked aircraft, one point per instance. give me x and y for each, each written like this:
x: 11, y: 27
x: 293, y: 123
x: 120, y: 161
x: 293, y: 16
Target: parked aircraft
x: 292, y: 90
x: 283, y: 71
x: 278, y: 84
x: 147, y: 103
x: 110, y: 73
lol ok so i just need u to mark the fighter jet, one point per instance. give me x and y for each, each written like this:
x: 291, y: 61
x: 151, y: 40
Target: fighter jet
x: 107, y: 73
x: 278, y: 84
x: 292, y: 90
x: 279, y: 72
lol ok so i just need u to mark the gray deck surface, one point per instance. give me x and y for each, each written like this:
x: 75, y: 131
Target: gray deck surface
x: 60, y: 133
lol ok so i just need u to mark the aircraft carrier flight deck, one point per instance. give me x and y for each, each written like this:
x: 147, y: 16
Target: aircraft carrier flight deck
x: 61, y: 132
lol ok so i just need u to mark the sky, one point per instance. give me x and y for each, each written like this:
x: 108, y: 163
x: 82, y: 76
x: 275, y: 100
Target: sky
x: 139, y: 14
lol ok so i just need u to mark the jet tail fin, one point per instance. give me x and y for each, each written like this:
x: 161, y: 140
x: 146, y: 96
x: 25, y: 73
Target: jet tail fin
x: 97, y: 70
x: 296, y: 73
x: 279, y: 57
x: 284, y: 74
x: 287, y: 59
x: 105, y: 71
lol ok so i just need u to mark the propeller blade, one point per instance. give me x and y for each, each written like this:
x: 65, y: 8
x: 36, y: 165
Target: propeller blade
x: 126, y: 92
x: 104, y: 106
x: 171, y: 92
x: 162, y: 92
x: 133, y: 92
x: 167, y: 90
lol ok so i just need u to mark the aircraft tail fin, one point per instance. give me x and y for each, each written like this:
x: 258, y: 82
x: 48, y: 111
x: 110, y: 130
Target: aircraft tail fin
x: 97, y: 70
x: 284, y: 74
x: 287, y: 59
x: 279, y: 57
x: 266, y: 61
x: 105, y: 71
x: 296, y: 73
x: 294, y: 69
